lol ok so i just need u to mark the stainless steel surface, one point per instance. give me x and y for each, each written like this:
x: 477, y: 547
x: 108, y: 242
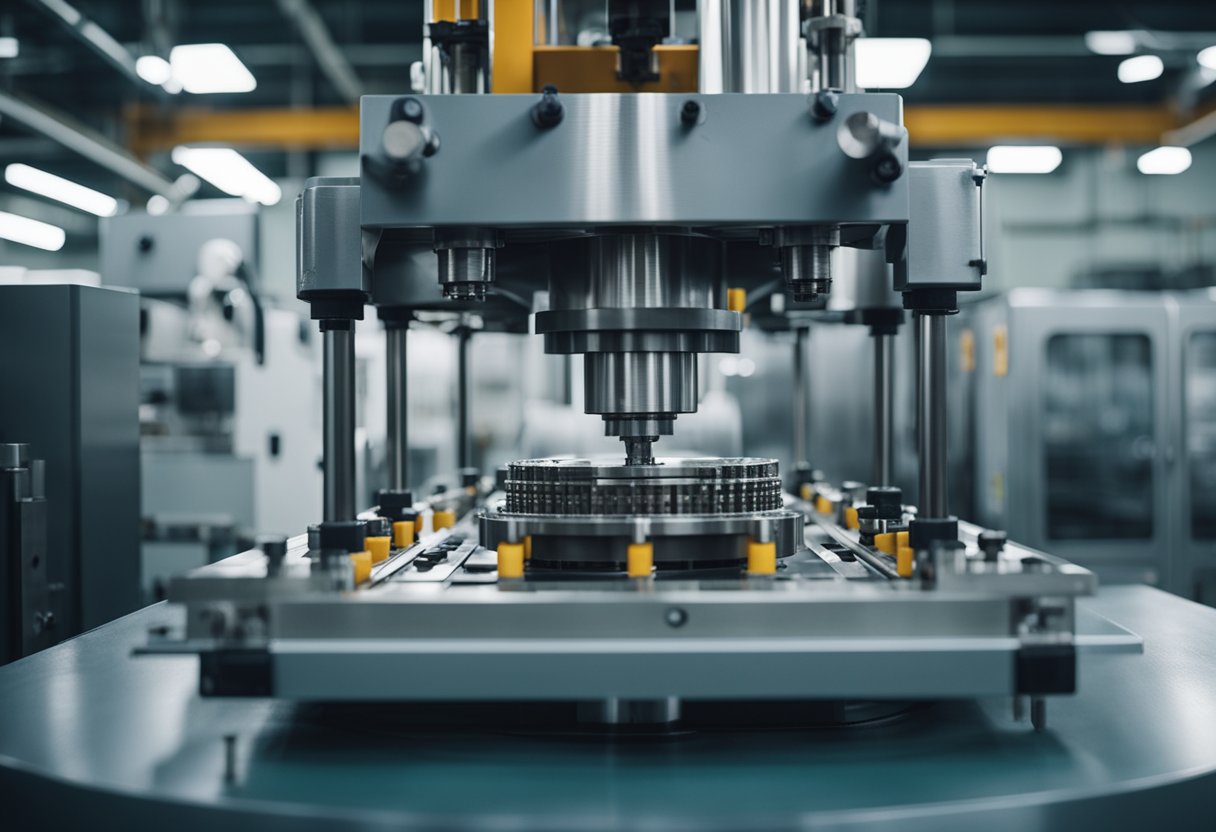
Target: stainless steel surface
x: 931, y: 413
x: 749, y: 46
x: 800, y: 425
x: 945, y: 247
x: 620, y: 383
x: 397, y: 450
x: 146, y: 750
x: 640, y: 306
x: 832, y: 28
x: 525, y: 177
x: 884, y: 409
x: 338, y: 395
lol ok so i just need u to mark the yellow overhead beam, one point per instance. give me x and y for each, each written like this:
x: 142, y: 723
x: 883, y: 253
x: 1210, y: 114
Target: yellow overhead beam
x: 983, y: 124
x: 288, y: 128
x: 941, y: 126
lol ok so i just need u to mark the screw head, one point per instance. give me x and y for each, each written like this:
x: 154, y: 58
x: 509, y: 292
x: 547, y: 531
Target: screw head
x: 826, y: 104
x: 690, y: 113
x: 675, y: 617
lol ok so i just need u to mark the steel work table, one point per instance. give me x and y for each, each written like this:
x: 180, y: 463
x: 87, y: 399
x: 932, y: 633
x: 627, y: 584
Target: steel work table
x: 92, y: 737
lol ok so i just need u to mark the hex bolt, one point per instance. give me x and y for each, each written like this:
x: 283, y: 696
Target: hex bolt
x: 825, y: 105
x: 548, y: 112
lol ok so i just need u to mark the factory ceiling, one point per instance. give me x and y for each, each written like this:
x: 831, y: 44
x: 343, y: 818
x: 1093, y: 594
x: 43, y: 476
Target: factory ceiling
x: 995, y: 65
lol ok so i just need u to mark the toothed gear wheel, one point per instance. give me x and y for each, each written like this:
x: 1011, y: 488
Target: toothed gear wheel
x: 669, y: 487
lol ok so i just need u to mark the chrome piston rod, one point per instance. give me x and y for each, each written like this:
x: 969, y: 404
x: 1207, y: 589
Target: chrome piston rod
x: 339, y: 421
x: 395, y: 337
x: 884, y: 409
x: 931, y: 412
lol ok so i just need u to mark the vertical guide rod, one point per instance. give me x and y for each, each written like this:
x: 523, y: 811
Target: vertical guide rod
x: 931, y: 412
x: 884, y: 409
x: 398, y: 437
x: 801, y: 428
x: 339, y: 419
x: 463, y: 449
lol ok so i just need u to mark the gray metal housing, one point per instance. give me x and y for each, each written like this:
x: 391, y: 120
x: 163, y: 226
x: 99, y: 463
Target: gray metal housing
x: 69, y: 380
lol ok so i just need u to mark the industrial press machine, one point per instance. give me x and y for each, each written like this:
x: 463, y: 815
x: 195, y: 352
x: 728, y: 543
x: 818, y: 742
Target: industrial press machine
x: 631, y: 227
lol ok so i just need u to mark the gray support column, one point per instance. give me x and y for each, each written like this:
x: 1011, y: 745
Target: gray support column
x: 397, y: 445
x: 464, y: 450
x: 801, y: 426
x: 884, y: 409
x: 931, y: 412
x: 339, y: 419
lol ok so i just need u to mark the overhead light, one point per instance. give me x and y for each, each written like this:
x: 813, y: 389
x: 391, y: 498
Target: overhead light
x: 1164, y: 161
x: 30, y: 232
x: 9, y: 47
x: 209, y: 68
x: 61, y: 190
x: 229, y: 171
x: 1207, y: 58
x: 891, y: 63
x: 154, y: 69
x: 1024, y: 158
x: 1140, y: 68
x: 1110, y: 43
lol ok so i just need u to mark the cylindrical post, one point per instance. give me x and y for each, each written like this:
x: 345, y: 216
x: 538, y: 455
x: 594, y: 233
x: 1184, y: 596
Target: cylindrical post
x: 339, y: 420
x: 931, y: 412
x: 884, y: 409
x: 801, y: 428
x: 397, y: 444
x: 464, y: 451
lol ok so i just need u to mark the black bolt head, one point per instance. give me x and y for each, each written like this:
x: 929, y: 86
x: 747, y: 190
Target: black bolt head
x: 887, y: 168
x: 690, y: 113
x: 825, y: 105
x: 411, y: 109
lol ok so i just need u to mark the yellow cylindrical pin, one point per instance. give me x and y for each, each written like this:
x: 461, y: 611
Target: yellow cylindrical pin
x: 904, y: 560
x: 804, y: 491
x: 736, y: 300
x: 885, y: 542
x: 443, y: 520
x: 378, y: 547
x: 851, y: 521
x: 761, y: 558
x: 510, y: 561
x: 901, y: 540
x: 823, y: 505
x: 528, y: 547
x: 362, y: 561
x: 403, y: 533
x: 640, y: 560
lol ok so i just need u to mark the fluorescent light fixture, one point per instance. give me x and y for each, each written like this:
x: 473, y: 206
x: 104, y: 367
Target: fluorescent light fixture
x: 1024, y: 158
x: 1110, y: 43
x: 1164, y: 161
x: 154, y: 69
x: 210, y: 68
x: 30, y: 232
x: 9, y: 47
x: 1207, y: 58
x: 61, y: 190
x: 229, y: 171
x: 1140, y: 68
x: 891, y: 63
